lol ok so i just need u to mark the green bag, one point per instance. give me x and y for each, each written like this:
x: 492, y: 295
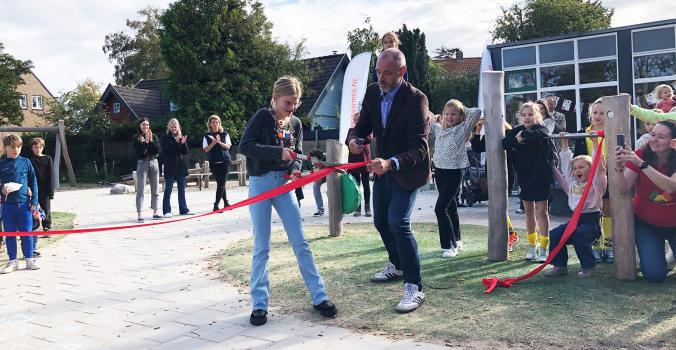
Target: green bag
x: 351, y: 193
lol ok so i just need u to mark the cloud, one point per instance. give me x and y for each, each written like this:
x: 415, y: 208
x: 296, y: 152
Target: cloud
x: 64, y: 38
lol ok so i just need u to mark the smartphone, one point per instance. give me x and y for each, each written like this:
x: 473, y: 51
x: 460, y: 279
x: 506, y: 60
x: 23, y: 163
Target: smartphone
x: 620, y: 140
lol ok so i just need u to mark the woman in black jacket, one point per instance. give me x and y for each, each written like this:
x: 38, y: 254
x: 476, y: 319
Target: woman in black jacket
x: 217, y: 144
x: 174, y: 148
x: 147, y: 147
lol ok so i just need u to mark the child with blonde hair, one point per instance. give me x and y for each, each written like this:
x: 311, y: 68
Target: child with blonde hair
x: 665, y: 94
x: 449, y: 160
x: 573, y: 179
x: 532, y: 163
x: 645, y: 138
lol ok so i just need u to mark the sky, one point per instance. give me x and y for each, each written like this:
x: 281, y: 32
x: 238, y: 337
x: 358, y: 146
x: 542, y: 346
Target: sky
x: 64, y: 38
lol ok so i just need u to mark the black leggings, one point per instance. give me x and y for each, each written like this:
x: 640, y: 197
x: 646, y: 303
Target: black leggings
x: 220, y: 172
x: 448, y: 183
x: 363, y: 180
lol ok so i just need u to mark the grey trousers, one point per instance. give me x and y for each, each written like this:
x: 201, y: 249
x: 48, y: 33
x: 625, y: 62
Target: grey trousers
x: 147, y: 169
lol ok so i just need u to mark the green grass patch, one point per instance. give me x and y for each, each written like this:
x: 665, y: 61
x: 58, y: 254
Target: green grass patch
x: 565, y: 311
x: 60, y: 221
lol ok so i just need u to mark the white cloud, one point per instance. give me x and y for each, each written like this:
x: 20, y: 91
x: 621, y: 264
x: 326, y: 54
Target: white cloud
x: 64, y: 38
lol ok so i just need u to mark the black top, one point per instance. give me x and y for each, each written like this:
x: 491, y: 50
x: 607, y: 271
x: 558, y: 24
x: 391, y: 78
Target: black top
x: 262, y: 143
x: 533, y: 158
x: 146, y: 150
x: 217, y: 154
x: 175, y: 164
x: 43, y: 166
x: 580, y: 147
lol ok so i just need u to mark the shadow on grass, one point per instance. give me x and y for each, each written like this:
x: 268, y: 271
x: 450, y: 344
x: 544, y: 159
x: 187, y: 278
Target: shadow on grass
x: 597, y: 312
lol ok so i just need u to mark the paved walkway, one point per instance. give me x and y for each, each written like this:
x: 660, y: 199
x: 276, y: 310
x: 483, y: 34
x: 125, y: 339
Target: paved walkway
x: 152, y: 288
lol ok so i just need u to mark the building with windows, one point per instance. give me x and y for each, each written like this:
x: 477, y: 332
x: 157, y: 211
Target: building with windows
x: 33, y: 99
x: 581, y: 67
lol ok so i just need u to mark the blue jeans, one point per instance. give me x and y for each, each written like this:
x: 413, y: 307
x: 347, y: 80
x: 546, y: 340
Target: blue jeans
x: 650, y: 244
x: 288, y: 211
x: 317, y: 191
x: 587, y: 231
x: 168, y: 187
x: 18, y: 217
x: 392, y: 208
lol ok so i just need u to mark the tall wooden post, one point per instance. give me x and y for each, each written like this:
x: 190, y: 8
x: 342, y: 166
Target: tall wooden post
x: 66, y: 156
x: 334, y: 154
x: 493, y: 96
x: 618, y: 122
x: 241, y: 169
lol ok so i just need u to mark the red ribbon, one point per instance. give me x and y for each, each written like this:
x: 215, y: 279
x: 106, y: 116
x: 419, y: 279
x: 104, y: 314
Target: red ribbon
x: 493, y: 282
x: 289, y: 186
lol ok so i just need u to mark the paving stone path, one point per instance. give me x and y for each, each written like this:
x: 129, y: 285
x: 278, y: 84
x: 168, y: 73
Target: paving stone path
x: 152, y: 288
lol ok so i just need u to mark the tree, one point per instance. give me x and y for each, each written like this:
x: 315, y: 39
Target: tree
x: 463, y: 87
x: 542, y: 18
x: 445, y: 53
x: 363, y: 39
x: 417, y: 60
x: 223, y: 60
x: 11, y: 70
x: 138, y: 56
x: 77, y: 107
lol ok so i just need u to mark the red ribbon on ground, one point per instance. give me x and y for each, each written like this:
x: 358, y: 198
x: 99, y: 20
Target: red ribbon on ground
x: 493, y: 282
x: 289, y: 186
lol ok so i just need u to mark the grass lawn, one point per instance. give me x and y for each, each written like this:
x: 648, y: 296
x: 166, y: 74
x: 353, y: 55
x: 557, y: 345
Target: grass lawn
x: 60, y: 221
x: 566, y: 311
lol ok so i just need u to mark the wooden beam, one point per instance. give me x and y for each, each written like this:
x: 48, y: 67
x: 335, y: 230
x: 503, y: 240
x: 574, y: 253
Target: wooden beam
x: 29, y: 129
x: 618, y: 122
x: 64, y: 148
x: 334, y: 153
x: 493, y: 96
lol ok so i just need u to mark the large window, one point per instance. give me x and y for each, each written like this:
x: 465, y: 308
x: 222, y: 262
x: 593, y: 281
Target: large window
x: 37, y: 102
x: 23, y: 101
x: 654, y: 60
x: 573, y: 71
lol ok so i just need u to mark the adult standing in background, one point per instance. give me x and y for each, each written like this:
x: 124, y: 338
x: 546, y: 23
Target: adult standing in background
x: 361, y: 174
x: 396, y: 113
x: 147, y: 147
x: 390, y: 40
x: 217, y: 144
x: 559, y: 117
x: 174, y: 148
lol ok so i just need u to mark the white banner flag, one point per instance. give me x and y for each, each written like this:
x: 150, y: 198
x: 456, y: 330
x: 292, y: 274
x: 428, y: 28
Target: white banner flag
x: 354, y: 88
x: 486, y: 65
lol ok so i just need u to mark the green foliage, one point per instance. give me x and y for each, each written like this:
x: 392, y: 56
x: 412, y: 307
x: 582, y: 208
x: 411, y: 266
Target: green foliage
x: 363, y: 39
x: 446, y: 86
x: 77, y: 108
x: 444, y: 53
x: 10, y: 78
x: 223, y: 60
x: 137, y: 56
x: 417, y: 60
x: 542, y: 18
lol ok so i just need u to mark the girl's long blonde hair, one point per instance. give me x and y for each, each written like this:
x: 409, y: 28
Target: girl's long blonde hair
x: 220, y: 127
x: 458, y: 106
x: 174, y: 121
x: 536, y: 111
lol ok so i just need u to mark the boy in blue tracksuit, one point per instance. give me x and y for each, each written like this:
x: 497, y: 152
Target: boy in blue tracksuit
x: 17, y: 209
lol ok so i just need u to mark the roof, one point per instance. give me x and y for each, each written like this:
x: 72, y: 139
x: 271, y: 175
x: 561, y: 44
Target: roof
x: 324, y: 68
x: 579, y: 34
x: 141, y: 103
x: 43, y: 85
x: 467, y: 65
x: 151, y: 84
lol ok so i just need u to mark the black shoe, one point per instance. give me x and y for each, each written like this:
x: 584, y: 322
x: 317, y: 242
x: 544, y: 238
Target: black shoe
x: 226, y: 204
x: 215, y: 207
x: 326, y: 308
x: 258, y: 317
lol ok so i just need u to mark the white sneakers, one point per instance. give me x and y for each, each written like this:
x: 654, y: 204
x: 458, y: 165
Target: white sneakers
x: 530, y: 252
x: 168, y: 215
x: 389, y: 273
x: 458, y: 246
x: 13, y: 265
x: 541, y: 255
x: 449, y: 253
x: 536, y: 254
x: 412, y: 299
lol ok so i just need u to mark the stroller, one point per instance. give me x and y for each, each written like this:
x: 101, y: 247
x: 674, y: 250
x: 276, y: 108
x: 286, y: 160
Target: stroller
x: 474, y: 186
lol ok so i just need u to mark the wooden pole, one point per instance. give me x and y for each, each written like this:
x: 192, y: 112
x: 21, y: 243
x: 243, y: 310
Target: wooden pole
x: 64, y: 149
x: 241, y: 169
x: 618, y: 122
x: 493, y: 96
x: 57, y: 163
x: 334, y: 153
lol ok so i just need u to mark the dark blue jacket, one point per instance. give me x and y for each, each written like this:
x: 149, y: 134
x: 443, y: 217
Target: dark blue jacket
x: 19, y: 170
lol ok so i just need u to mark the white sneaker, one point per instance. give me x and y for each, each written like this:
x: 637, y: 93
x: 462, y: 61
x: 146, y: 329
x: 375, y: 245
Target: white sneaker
x: 389, y: 273
x: 11, y: 266
x: 449, y: 253
x: 530, y: 253
x: 31, y: 264
x: 412, y: 299
x: 458, y: 245
x: 542, y: 255
x: 168, y: 215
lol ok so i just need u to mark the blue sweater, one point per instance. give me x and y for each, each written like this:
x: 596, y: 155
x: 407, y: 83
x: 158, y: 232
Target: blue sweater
x: 19, y: 170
